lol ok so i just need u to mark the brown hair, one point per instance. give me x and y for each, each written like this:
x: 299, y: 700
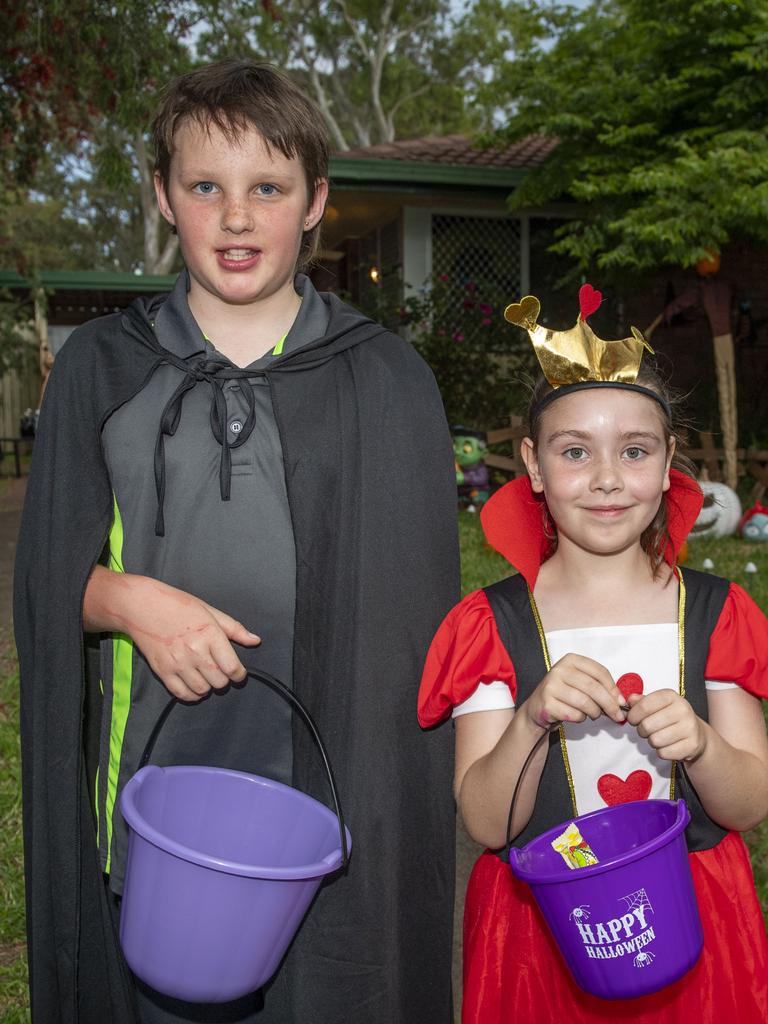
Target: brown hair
x: 234, y: 95
x: 656, y: 535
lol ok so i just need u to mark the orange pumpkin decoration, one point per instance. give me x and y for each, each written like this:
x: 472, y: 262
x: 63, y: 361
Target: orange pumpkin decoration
x: 709, y: 264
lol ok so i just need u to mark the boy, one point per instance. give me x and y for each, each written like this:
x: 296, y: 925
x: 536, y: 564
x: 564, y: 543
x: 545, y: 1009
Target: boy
x: 218, y: 485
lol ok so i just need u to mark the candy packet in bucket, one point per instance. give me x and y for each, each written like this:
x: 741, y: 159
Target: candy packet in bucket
x: 573, y: 848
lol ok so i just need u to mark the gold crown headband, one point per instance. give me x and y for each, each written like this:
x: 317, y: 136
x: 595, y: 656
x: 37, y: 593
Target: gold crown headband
x: 577, y: 359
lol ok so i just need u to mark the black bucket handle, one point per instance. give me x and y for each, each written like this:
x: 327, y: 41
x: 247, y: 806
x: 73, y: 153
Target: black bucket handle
x: 548, y: 730
x: 290, y: 696
x: 513, y: 803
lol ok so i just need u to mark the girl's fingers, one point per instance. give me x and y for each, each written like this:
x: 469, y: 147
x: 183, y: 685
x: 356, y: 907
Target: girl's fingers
x: 594, y: 679
x: 643, y: 707
x: 665, y: 737
x: 558, y: 711
x: 603, y: 699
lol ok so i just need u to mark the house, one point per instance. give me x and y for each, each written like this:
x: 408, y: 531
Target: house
x: 401, y: 212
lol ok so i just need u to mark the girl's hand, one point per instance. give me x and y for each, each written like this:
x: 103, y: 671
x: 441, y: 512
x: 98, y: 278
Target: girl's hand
x: 575, y: 688
x: 669, y: 723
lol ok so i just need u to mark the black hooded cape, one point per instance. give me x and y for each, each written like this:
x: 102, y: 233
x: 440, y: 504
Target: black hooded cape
x: 371, y: 489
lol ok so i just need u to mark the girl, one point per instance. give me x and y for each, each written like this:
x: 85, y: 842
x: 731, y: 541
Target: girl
x: 600, y: 620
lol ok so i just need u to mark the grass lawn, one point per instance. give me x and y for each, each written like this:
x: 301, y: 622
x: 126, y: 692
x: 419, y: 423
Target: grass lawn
x: 13, y: 972
x: 480, y: 566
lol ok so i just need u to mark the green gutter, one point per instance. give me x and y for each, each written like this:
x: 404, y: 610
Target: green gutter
x: 349, y: 171
x: 90, y: 280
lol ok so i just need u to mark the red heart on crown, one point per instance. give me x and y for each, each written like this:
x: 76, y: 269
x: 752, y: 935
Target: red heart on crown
x: 629, y: 683
x: 589, y: 300
x: 614, y: 790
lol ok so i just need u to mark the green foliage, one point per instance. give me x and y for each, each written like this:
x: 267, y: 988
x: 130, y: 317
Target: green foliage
x: 18, y: 348
x: 378, y: 70
x: 71, y: 223
x: 459, y: 329
x: 79, y: 79
x: 660, y: 108
x: 65, y: 66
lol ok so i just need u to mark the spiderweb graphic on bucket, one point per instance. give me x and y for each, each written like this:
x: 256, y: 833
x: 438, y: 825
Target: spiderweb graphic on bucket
x: 638, y: 900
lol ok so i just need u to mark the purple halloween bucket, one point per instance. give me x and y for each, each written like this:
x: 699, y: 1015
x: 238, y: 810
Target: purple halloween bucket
x: 222, y: 866
x: 628, y: 925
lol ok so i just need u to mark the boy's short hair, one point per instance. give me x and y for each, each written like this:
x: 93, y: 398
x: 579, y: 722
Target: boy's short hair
x: 234, y: 95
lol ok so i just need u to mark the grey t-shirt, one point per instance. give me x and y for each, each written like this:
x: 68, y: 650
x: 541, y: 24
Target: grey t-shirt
x: 238, y: 555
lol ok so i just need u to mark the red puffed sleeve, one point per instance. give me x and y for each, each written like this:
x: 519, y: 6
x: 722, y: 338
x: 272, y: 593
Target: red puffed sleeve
x: 465, y: 651
x: 738, y: 647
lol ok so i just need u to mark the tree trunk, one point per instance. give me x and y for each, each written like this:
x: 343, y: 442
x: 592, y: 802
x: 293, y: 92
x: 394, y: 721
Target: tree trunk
x: 725, y: 371
x: 155, y: 262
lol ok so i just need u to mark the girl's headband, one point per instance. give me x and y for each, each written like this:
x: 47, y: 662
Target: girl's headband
x: 577, y: 359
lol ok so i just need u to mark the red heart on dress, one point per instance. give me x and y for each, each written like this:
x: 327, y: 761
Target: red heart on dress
x: 614, y: 790
x: 589, y: 300
x: 629, y: 683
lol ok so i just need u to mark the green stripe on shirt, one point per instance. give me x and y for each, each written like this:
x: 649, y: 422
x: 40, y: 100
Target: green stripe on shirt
x: 122, y: 678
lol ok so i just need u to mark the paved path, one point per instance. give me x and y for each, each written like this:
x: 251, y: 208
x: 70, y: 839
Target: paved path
x: 11, y: 500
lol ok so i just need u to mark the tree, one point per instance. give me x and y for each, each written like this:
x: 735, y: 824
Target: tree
x: 660, y: 109
x: 118, y: 150
x: 378, y: 71
x: 81, y: 78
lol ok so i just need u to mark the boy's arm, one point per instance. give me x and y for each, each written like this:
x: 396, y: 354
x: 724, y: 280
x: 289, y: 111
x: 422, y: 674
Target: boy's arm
x: 185, y: 641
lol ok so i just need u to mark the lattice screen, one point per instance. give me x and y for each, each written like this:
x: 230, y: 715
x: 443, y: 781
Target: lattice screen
x: 483, y: 250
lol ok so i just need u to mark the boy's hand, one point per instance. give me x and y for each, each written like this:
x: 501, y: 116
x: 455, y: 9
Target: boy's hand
x: 187, y: 643
x: 669, y: 723
x: 575, y: 688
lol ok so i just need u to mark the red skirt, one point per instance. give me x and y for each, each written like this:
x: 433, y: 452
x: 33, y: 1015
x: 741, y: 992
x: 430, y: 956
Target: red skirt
x: 513, y: 972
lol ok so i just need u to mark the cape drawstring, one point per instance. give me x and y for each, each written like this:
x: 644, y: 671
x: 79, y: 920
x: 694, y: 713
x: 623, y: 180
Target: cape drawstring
x: 215, y: 374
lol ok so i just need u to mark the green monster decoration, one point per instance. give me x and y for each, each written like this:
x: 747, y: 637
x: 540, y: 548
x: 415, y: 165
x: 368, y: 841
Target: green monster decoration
x: 472, y: 478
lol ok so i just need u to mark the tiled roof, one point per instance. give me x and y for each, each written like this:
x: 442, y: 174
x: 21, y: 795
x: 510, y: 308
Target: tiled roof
x: 457, y: 150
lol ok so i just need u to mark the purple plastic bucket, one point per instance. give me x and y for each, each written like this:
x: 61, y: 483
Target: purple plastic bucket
x: 628, y: 925
x: 222, y: 866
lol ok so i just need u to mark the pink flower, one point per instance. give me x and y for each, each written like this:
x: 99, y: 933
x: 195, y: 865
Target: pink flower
x: 486, y: 321
x: 471, y: 286
x: 485, y: 308
x: 468, y: 304
x: 444, y: 277
x: 457, y: 336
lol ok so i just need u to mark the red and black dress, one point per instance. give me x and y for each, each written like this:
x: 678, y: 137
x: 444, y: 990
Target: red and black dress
x: 488, y: 655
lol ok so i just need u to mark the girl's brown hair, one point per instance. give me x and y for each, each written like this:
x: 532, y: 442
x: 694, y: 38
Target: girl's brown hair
x: 655, y: 537
x: 234, y: 95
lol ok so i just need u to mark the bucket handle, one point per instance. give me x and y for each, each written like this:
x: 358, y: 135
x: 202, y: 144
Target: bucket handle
x: 513, y: 803
x: 292, y: 699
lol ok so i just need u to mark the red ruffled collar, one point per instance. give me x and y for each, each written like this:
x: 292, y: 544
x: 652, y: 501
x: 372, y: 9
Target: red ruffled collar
x: 513, y: 522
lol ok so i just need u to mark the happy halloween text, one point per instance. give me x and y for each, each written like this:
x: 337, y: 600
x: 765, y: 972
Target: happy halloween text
x: 602, y: 940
